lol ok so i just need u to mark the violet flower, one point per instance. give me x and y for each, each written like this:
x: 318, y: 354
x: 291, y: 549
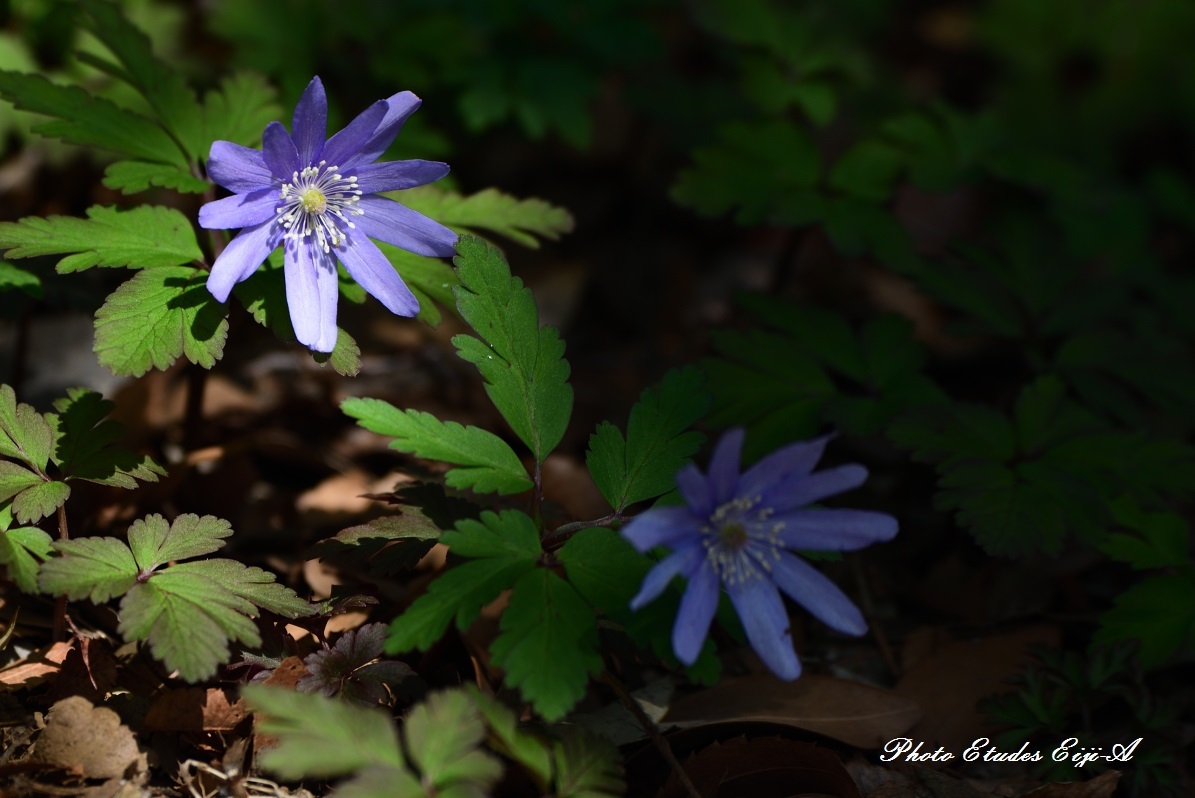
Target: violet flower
x: 318, y: 198
x: 734, y: 532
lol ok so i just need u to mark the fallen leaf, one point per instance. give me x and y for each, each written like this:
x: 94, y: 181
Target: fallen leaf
x: 35, y: 668
x: 763, y: 767
x: 288, y: 673
x: 851, y: 712
x: 193, y: 709
x: 88, y: 740
x: 1102, y: 786
x: 951, y: 676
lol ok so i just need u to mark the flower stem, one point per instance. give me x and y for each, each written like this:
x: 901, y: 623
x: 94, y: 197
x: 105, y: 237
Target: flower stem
x: 652, y: 731
x: 558, y: 536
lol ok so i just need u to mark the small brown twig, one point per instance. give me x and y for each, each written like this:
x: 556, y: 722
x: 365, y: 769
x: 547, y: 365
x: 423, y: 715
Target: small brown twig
x: 652, y: 731
x: 868, y: 606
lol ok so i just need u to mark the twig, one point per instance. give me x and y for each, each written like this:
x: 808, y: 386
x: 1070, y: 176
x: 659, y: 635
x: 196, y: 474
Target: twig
x: 652, y: 731
x: 58, y: 623
x: 877, y: 631
x: 565, y: 531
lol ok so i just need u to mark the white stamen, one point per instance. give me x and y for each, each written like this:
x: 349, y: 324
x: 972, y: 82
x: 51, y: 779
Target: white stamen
x: 741, y: 548
x: 312, y: 198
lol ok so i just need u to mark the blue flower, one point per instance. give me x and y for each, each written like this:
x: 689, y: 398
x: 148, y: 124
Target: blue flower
x: 735, y: 531
x: 317, y: 198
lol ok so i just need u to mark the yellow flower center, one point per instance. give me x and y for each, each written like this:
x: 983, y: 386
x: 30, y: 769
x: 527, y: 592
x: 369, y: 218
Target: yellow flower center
x: 313, y: 200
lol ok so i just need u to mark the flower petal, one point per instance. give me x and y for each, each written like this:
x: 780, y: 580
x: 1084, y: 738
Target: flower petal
x: 238, y: 168
x: 344, y: 148
x: 682, y: 562
x: 724, y: 465
x: 814, y: 591
x: 396, y: 175
x: 833, y: 530
x: 394, y: 223
x: 766, y: 622
x: 697, y: 607
x: 692, y: 485
x: 399, y: 108
x: 797, y: 458
x: 241, y: 257
x: 661, y: 526
x: 309, y: 125
x: 239, y: 210
x: 799, y: 490
x: 279, y: 152
x: 311, y: 293
x: 374, y: 272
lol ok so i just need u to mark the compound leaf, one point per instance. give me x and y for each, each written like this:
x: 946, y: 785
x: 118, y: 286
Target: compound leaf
x: 83, y: 443
x: 487, y: 463
x: 158, y: 315
x: 239, y: 110
x: 508, y: 739
x: 155, y: 542
x: 15, y: 277
x: 548, y: 646
x: 443, y: 735
x: 605, y: 569
x: 523, y: 365
x: 22, y: 550
x: 587, y: 767
x: 24, y: 433
x: 144, y: 237
x: 92, y: 568
x: 132, y: 177
x: 519, y: 220
x: 319, y: 737
x: 502, y: 546
x: 39, y: 500
x: 657, y: 444
x: 1159, y: 612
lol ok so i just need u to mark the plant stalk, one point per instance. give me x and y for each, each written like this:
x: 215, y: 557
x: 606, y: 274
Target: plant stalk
x: 652, y: 731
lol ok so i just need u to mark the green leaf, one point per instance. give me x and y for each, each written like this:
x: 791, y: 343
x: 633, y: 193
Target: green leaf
x: 443, y: 735
x: 81, y: 118
x: 83, y: 443
x: 383, y: 546
x: 657, y: 445
x: 132, y: 177
x: 17, y: 480
x: 430, y: 280
x: 523, y: 365
x: 1159, y: 612
x: 868, y: 171
x: 155, y: 542
x: 14, y: 277
x: 1161, y: 540
x: 548, y: 647
x: 511, y: 741
x: 163, y: 87
x: 254, y: 585
x: 519, y: 220
x: 605, y: 569
x: 320, y: 737
x: 239, y: 110
x: 24, y: 433
x: 158, y: 315
x: 92, y: 568
x: 39, y: 500
x: 488, y: 463
x: 140, y: 238
x: 22, y: 550
x: 503, y: 547
x: 587, y: 767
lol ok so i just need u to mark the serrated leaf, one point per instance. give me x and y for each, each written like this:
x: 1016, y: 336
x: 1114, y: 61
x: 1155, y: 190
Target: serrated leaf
x: 605, y: 569
x: 519, y: 220
x: 587, y: 767
x: 488, y: 464
x: 81, y: 118
x: 384, y: 545
x: 523, y: 365
x: 24, y: 433
x: 188, y: 620
x: 443, y: 735
x: 164, y: 88
x: 158, y: 315
x: 15, y: 478
x: 503, y: 547
x: 83, y: 443
x: 657, y: 445
x: 508, y: 739
x: 430, y: 280
x: 239, y: 110
x: 321, y: 738
x: 1161, y: 540
x: 155, y: 542
x: 1159, y: 612
x: 145, y: 237
x: 132, y: 177
x: 38, y: 501
x: 92, y: 568
x: 548, y: 647
x: 348, y: 668
x: 15, y: 278
x: 22, y: 550
x: 868, y: 171
x: 253, y: 584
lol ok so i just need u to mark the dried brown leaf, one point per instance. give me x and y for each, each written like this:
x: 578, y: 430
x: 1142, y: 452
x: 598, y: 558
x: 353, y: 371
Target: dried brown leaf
x: 88, y: 740
x: 764, y: 767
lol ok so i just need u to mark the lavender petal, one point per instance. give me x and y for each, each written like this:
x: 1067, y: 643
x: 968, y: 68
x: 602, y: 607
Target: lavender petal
x: 393, y: 223
x: 239, y: 210
x: 766, y: 623
x: 397, y: 175
x: 374, y: 272
x: 798, y: 490
x: 309, y: 125
x: 241, y: 258
x: 832, y: 530
x: 696, y: 612
x: 345, y: 146
x: 661, y: 526
x: 814, y: 591
x: 795, y: 459
x: 311, y: 294
x: 682, y: 562
x: 399, y: 108
x: 724, y: 466
x: 279, y: 152
x: 238, y: 168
